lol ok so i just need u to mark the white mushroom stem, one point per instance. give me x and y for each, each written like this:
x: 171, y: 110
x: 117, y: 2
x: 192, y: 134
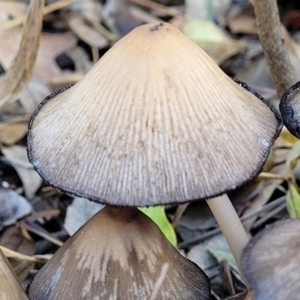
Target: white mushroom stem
x: 230, y: 225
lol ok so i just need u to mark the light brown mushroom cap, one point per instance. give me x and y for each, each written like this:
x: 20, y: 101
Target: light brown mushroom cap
x: 119, y: 253
x: 10, y: 289
x: 155, y: 121
x: 271, y: 261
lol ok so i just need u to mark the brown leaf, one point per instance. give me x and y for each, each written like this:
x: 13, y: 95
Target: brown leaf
x: 51, y: 45
x: 9, y: 286
x: 13, y: 239
x: 11, y: 133
x: 17, y: 9
x: 87, y: 33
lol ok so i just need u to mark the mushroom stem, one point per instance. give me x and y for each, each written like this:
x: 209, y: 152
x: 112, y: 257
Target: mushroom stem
x: 230, y: 225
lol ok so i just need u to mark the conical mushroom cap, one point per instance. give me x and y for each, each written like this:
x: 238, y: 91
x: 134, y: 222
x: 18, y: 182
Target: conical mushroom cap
x: 155, y: 121
x: 271, y: 261
x: 119, y: 254
x: 10, y: 289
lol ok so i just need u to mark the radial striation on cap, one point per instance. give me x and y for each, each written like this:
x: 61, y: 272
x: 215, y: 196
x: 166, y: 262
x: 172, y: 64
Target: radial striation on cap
x: 119, y: 253
x: 155, y: 121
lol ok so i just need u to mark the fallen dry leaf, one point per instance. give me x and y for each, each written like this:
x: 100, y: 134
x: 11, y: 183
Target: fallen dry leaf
x: 11, y: 133
x: 51, y: 45
x: 17, y: 157
x: 13, y: 239
x: 12, y: 8
x: 86, y: 32
x: 79, y: 212
x: 9, y: 286
x: 243, y: 24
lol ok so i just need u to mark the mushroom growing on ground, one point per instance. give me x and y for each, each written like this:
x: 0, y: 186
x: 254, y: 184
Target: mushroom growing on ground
x: 271, y: 261
x: 10, y: 289
x: 155, y: 121
x: 290, y: 109
x: 119, y: 253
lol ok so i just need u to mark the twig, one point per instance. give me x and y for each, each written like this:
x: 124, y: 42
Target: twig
x: 271, y: 39
x: 44, y: 235
x: 267, y: 175
x: 178, y: 214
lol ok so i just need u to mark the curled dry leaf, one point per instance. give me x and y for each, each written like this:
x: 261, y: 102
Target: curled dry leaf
x: 20, y: 72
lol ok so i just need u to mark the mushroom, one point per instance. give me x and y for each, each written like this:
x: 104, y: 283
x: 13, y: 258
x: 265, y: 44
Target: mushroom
x: 10, y: 288
x: 271, y: 261
x: 155, y: 121
x: 290, y: 109
x: 120, y: 253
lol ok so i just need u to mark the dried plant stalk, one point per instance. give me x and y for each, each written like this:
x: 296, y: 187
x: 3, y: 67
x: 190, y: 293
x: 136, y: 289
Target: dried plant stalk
x: 20, y: 72
x: 271, y: 38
